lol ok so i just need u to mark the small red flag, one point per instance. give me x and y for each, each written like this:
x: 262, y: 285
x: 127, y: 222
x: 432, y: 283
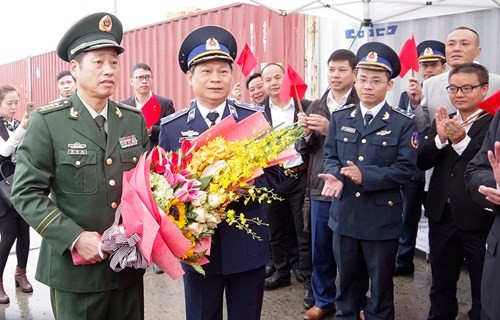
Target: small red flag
x: 292, y: 85
x: 408, y: 57
x: 246, y: 60
x: 492, y: 104
x: 151, y: 111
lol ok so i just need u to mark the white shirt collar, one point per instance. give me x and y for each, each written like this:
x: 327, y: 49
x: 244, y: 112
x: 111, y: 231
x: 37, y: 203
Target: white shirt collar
x: 93, y: 113
x: 291, y: 103
x: 204, y: 112
x: 334, y: 105
x: 374, y: 111
x: 139, y: 105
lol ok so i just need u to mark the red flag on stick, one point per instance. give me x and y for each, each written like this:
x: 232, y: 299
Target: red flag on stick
x: 246, y: 60
x: 151, y: 111
x: 492, y: 104
x: 292, y: 86
x: 408, y: 57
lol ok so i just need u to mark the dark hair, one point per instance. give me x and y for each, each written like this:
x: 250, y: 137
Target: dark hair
x: 64, y: 73
x: 253, y: 76
x: 141, y: 66
x: 475, y: 68
x: 471, y: 30
x: 272, y: 64
x: 344, y: 55
x: 6, y: 88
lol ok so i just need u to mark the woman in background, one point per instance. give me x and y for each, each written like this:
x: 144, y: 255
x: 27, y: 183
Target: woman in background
x: 12, y: 226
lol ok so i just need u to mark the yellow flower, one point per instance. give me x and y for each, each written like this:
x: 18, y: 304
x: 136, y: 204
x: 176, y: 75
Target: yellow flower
x: 177, y: 213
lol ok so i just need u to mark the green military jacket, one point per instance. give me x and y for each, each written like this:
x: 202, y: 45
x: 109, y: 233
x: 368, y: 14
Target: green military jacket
x: 64, y: 154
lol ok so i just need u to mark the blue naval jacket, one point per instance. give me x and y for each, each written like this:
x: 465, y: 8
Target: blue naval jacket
x: 385, y: 152
x: 233, y: 250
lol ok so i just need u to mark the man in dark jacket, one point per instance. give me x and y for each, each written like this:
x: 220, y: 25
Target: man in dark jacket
x: 341, y: 77
x: 142, y: 82
x: 458, y: 227
x: 283, y: 214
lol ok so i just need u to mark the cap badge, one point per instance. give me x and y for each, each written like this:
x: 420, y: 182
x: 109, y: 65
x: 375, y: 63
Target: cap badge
x: 212, y: 44
x: 428, y: 51
x: 105, y: 24
x: 372, y: 57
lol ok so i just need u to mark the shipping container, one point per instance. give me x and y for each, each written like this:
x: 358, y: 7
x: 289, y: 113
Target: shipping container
x: 271, y: 37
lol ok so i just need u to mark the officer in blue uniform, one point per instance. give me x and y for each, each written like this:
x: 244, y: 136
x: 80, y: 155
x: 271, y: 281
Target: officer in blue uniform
x: 237, y: 262
x: 369, y: 153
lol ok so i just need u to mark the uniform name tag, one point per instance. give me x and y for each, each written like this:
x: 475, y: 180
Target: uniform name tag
x: 348, y: 129
x: 77, y: 152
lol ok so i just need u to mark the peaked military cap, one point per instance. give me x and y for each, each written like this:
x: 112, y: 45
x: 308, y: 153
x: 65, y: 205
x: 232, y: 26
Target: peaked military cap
x: 207, y: 43
x: 430, y: 50
x: 378, y: 56
x: 98, y: 30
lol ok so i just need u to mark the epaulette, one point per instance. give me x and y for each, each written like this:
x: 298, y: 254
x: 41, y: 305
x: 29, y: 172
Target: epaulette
x: 58, y: 105
x: 173, y: 116
x: 403, y: 112
x: 128, y: 107
x: 247, y: 106
x: 345, y: 107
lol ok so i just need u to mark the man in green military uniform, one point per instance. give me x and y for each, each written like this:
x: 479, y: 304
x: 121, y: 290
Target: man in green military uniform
x: 79, y: 160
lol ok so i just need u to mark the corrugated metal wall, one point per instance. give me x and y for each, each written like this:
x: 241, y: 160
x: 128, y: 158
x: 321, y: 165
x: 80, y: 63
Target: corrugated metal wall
x: 16, y: 73
x: 271, y: 38
x: 44, y: 69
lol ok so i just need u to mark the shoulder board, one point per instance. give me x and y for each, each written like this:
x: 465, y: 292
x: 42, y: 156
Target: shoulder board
x: 128, y: 107
x: 403, y: 112
x: 247, y: 106
x: 58, y: 105
x: 174, y: 116
x: 345, y: 107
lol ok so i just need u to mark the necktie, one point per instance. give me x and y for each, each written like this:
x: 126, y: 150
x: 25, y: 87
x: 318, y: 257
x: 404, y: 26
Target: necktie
x: 100, y: 124
x: 368, y: 117
x: 212, y: 116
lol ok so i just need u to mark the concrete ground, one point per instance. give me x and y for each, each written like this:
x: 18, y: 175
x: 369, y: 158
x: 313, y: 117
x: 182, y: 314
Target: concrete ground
x: 164, y: 297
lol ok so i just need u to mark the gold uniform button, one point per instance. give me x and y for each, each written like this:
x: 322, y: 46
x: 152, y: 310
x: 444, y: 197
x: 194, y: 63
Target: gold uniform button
x: 134, y: 159
x: 363, y: 140
x: 384, y: 143
x: 360, y: 158
x: 390, y: 203
x: 357, y: 194
x: 112, y: 183
x: 109, y: 161
x: 78, y: 163
x: 114, y: 205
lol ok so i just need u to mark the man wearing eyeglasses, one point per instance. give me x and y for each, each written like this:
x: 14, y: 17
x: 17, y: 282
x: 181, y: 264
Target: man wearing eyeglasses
x: 142, y: 82
x: 458, y: 227
x: 369, y: 153
x: 462, y: 46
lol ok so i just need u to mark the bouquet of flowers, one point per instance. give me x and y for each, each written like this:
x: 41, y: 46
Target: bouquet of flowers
x: 174, y: 201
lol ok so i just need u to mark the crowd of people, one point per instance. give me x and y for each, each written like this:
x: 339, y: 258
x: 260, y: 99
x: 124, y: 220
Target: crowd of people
x: 352, y: 196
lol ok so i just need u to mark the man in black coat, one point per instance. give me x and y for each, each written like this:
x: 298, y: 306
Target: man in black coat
x: 142, y: 82
x: 457, y: 226
x: 287, y: 214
